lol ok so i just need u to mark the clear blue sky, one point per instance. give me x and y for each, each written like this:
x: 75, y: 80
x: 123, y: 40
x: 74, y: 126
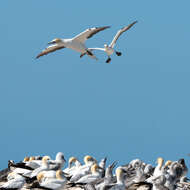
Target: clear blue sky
x: 136, y: 107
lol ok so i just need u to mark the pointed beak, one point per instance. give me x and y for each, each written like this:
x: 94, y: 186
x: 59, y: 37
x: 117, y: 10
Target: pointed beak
x: 113, y: 165
x: 52, y: 42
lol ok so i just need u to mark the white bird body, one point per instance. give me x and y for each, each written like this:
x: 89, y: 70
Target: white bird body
x: 109, y: 49
x: 120, y: 185
x: 95, y: 174
x: 84, y: 169
x: 17, y: 181
x: 72, y: 168
x: 43, y: 167
x: 77, y: 43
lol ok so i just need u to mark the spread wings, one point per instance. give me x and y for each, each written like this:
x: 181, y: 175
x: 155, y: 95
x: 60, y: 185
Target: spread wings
x: 120, y: 32
x: 49, y: 50
x: 88, y: 33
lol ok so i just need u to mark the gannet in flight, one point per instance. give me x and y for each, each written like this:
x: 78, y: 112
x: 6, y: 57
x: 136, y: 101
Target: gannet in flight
x: 77, y: 43
x: 109, y: 49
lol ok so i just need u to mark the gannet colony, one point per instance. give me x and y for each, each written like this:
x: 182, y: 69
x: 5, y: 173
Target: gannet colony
x: 38, y: 172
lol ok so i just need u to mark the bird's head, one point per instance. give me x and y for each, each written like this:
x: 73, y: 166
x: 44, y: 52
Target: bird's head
x: 55, y: 41
x: 105, y: 45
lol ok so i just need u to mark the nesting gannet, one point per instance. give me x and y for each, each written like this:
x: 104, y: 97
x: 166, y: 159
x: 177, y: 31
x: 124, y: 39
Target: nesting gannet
x: 184, y: 167
x: 22, y: 164
x: 109, y: 49
x: 160, y: 169
x: 16, y: 182
x: 84, y: 169
x: 120, y: 184
x: 43, y: 167
x: 34, y: 163
x: 77, y: 43
x: 53, y: 183
x: 58, y: 162
x: 74, y: 164
x: 158, y: 183
x: 108, y: 178
x: 95, y: 174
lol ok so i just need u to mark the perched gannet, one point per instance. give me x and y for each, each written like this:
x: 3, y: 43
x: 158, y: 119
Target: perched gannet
x: 84, y: 169
x: 22, y: 164
x: 108, y: 178
x: 74, y: 164
x: 184, y: 167
x: 54, y: 183
x: 159, y: 168
x: 77, y: 43
x: 109, y: 49
x: 158, y: 183
x: 58, y: 162
x: 120, y: 184
x: 43, y: 167
x: 95, y: 174
x: 16, y: 182
x: 34, y: 163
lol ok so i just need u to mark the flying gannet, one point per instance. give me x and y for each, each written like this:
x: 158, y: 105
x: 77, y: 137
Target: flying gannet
x: 109, y: 49
x: 77, y: 43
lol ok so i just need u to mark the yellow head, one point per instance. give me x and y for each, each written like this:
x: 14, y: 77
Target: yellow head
x: 94, y: 168
x: 72, y: 159
x: 45, y: 158
x: 168, y: 163
x: 118, y: 172
x: 32, y: 158
x: 40, y: 176
x: 26, y: 159
x: 59, y: 174
x: 55, y: 41
x: 160, y: 161
x: 89, y: 158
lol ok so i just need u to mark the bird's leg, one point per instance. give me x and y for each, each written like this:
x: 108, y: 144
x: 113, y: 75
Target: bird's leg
x: 108, y: 60
x: 89, y: 52
x: 82, y: 54
x: 118, y: 53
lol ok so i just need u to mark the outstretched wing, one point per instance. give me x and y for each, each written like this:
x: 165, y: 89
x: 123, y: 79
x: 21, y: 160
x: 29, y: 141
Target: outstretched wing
x: 49, y: 50
x: 82, y: 37
x: 92, y: 49
x: 120, y: 32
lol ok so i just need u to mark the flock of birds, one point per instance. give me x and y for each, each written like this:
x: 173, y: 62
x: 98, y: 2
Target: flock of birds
x: 78, y: 43
x: 44, y: 173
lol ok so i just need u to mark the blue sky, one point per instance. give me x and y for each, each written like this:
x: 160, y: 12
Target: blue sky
x: 136, y: 107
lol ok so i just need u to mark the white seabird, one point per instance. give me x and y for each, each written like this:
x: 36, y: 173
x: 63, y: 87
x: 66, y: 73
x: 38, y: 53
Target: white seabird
x: 77, y: 43
x: 54, y: 183
x: 109, y: 49
x: 74, y: 164
x: 16, y: 182
x: 95, y: 174
x: 84, y: 169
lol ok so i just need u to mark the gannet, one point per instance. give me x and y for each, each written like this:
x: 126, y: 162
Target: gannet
x: 184, y: 167
x: 102, y: 165
x: 77, y: 43
x: 43, y: 167
x: 109, y: 49
x: 53, y: 183
x: 95, y: 174
x: 108, y: 178
x: 34, y: 163
x: 84, y: 169
x: 58, y: 162
x: 16, y: 182
x: 74, y: 164
x: 158, y: 183
x: 120, y: 184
